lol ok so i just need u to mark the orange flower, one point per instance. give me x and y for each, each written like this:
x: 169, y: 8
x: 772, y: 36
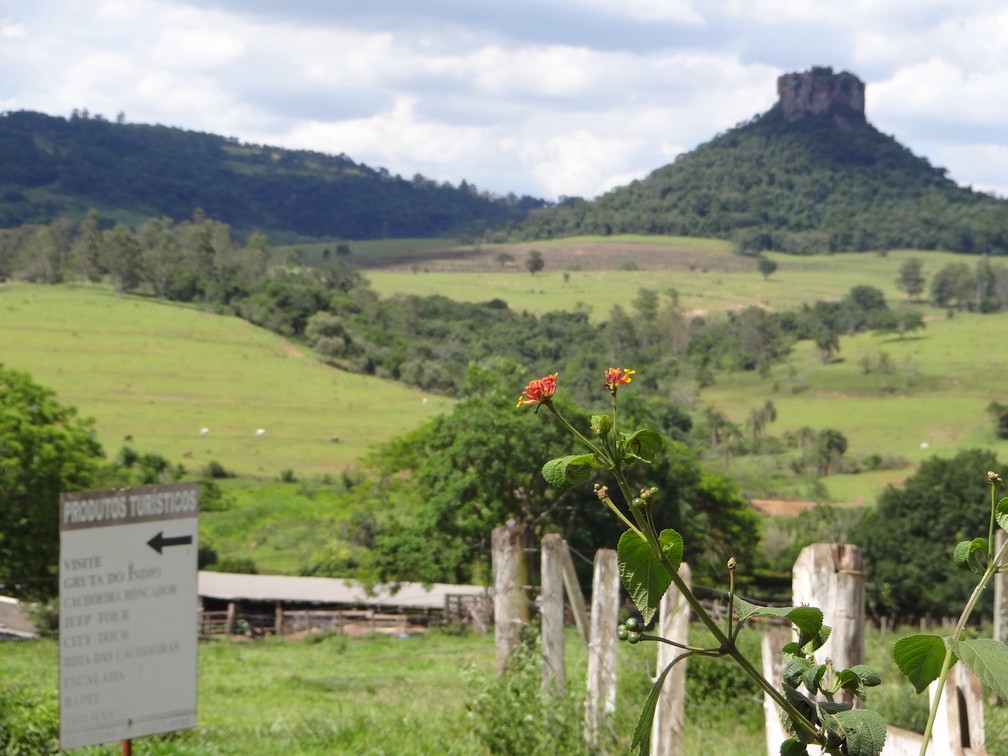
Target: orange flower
x: 614, y: 378
x: 538, y: 391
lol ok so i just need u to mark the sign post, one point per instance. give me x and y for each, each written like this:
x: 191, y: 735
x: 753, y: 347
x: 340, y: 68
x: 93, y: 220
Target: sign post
x: 128, y: 613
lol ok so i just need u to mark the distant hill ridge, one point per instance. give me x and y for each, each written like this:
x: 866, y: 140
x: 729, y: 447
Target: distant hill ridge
x: 809, y: 175
x: 52, y: 166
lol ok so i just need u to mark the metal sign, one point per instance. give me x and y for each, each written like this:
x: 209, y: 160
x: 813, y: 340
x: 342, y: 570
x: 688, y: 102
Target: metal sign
x: 128, y: 612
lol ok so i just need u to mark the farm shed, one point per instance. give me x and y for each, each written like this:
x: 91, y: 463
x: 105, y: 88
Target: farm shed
x: 14, y: 621
x: 292, y: 604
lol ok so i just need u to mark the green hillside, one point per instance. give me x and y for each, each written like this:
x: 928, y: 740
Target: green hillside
x: 53, y: 167
x: 807, y: 186
x: 161, y: 373
x: 593, y: 274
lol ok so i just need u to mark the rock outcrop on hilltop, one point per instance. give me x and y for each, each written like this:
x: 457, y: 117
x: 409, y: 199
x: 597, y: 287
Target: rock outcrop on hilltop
x: 822, y: 92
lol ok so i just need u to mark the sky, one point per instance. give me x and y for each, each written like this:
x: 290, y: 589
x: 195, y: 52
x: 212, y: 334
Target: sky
x: 548, y: 98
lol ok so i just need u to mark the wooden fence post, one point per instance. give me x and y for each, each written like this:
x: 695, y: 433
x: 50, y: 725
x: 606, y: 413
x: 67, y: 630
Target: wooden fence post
x: 831, y: 576
x: 511, y: 578
x: 574, y: 594
x: 552, y: 614
x: 601, y: 703
x: 773, y: 670
x: 673, y: 624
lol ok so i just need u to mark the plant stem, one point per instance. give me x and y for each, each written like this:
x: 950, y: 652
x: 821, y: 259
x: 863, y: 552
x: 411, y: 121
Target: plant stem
x: 725, y: 644
x: 992, y: 568
x: 575, y: 432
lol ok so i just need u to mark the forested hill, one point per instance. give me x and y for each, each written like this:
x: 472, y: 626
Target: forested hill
x: 52, y: 166
x: 827, y: 181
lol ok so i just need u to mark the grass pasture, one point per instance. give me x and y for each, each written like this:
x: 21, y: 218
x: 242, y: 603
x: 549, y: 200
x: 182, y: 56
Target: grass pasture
x: 329, y: 694
x: 935, y: 393
x: 591, y: 274
x: 162, y: 372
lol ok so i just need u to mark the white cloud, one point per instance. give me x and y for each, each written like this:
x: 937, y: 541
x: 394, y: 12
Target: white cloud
x: 571, y: 98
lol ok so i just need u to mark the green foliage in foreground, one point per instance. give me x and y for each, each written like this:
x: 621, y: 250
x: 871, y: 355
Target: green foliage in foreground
x: 45, y: 449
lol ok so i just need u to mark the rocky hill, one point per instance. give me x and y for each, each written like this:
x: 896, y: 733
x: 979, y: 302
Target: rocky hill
x: 809, y: 175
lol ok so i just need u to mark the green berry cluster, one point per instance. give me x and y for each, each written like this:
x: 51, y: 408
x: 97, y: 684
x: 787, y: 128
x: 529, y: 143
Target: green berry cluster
x: 630, y: 631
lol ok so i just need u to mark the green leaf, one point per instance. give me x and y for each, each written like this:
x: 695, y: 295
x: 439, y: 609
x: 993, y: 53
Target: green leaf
x: 813, y: 674
x: 807, y: 619
x: 672, y: 546
x: 643, y: 575
x: 642, y: 732
x: 988, y: 660
x: 920, y: 658
x: 1001, y: 513
x: 869, y: 675
x: 857, y: 678
x: 865, y: 730
x: 643, y: 444
x: 564, y: 472
x: 602, y: 425
x: 793, y: 748
x: 971, y: 555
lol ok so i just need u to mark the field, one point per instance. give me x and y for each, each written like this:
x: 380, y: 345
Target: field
x: 906, y: 398
x: 161, y: 373
x: 330, y: 694
x: 592, y: 274
x: 932, y: 401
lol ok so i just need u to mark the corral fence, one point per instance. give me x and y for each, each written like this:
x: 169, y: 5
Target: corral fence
x: 829, y: 576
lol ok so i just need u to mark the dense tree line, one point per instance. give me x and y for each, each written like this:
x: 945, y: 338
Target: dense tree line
x: 50, y: 166
x: 804, y: 187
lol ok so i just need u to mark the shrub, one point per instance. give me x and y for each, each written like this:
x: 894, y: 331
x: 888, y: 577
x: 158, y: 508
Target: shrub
x: 29, y: 722
x: 510, y: 715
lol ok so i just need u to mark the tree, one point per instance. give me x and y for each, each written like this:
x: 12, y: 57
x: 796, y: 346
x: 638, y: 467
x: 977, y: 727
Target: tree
x: 999, y: 414
x: 462, y: 474
x: 827, y: 341
x: 44, y: 449
x: 830, y: 445
x: 899, y: 321
x: 909, y: 569
x: 911, y: 277
x: 86, y: 253
x: 534, y: 263
x: 123, y: 258
x: 952, y: 283
x: 766, y: 266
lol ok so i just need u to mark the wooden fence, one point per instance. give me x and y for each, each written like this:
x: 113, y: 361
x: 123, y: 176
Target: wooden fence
x: 830, y: 576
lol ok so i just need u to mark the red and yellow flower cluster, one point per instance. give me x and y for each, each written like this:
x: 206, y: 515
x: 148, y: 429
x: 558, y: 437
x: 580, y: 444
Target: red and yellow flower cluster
x: 614, y: 377
x: 538, y: 391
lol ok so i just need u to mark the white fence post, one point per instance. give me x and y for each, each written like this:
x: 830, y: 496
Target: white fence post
x: 831, y: 576
x: 673, y: 624
x: 773, y: 670
x: 511, y: 606
x: 601, y: 702
x: 552, y: 614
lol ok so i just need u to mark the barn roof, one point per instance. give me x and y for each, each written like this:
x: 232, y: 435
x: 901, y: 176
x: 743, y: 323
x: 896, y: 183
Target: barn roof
x: 319, y: 590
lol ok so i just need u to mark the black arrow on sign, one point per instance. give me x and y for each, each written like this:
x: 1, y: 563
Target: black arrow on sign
x: 159, y: 541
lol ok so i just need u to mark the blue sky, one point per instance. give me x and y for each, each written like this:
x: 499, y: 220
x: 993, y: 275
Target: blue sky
x: 549, y: 98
